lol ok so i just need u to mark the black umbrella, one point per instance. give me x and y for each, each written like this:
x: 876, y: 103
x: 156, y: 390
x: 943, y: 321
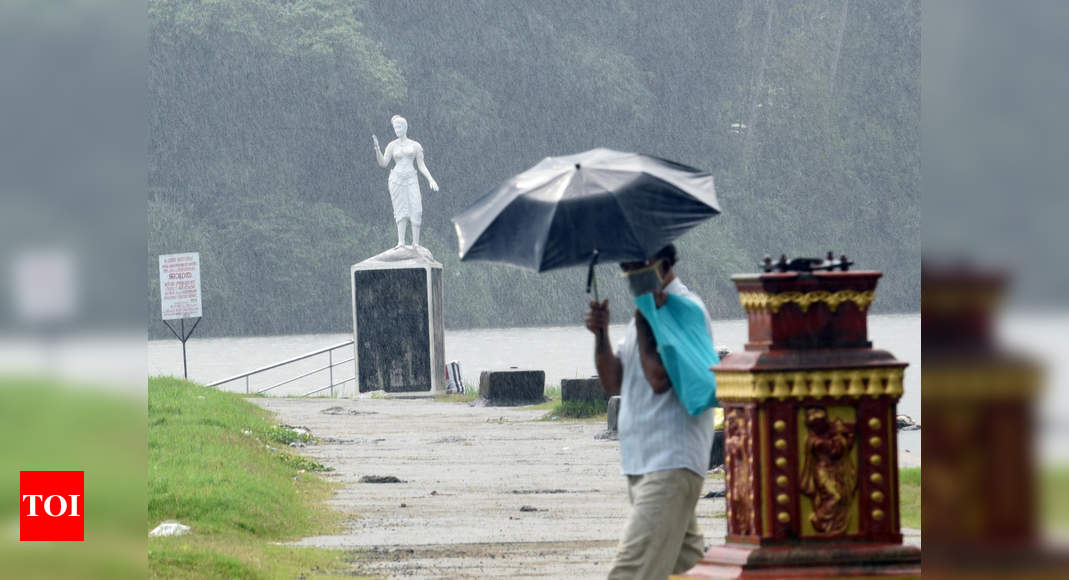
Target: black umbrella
x: 577, y: 209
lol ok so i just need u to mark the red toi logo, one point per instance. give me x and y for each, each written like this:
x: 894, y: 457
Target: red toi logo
x: 51, y: 506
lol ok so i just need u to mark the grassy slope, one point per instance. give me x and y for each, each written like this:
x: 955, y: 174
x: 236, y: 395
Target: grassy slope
x: 909, y: 490
x: 212, y: 467
x: 48, y: 425
x: 1054, y: 498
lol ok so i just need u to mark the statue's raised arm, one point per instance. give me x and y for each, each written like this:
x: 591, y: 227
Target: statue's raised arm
x: 383, y: 160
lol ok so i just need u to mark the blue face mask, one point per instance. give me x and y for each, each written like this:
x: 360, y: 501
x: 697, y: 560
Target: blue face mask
x: 645, y: 280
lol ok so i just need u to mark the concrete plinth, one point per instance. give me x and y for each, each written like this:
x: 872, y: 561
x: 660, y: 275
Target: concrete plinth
x: 398, y: 334
x: 584, y: 390
x: 512, y: 387
x: 716, y: 456
x: 614, y: 413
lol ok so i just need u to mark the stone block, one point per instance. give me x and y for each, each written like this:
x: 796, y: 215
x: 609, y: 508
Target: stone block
x: 585, y: 390
x: 512, y: 387
x: 614, y: 412
x: 398, y: 332
x: 716, y: 457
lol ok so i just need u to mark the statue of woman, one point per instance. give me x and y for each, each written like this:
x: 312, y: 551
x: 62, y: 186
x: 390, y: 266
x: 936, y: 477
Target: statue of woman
x: 829, y: 476
x: 407, y: 156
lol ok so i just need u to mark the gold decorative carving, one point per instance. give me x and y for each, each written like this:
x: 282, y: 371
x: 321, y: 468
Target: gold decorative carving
x: 817, y: 380
x: 876, y: 478
x: 857, y: 383
x: 783, y: 517
x: 875, y: 459
x: 874, y: 423
x: 829, y: 476
x: 779, y: 425
x: 782, y: 499
x: 1014, y: 380
x: 780, y: 390
x: 853, y: 383
x: 781, y: 444
x: 877, y: 496
x: 781, y: 462
x: 781, y: 481
x: 738, y: 456
x: 875, y: 441
x: 765, y: 302
x: 877, y: 514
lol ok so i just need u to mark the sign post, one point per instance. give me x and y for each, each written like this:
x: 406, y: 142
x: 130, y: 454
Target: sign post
x: 180, y: 295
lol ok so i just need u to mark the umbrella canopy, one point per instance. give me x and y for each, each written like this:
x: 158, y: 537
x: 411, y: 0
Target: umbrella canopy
x: 626, y: 206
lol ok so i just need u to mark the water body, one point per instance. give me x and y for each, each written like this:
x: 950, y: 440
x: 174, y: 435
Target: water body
x: 562, y: 352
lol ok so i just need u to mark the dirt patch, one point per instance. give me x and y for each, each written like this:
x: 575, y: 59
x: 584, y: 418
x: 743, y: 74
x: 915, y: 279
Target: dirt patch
x: 450, y: 439
x: 344, y: 411
x: 381, y: 479
x: 590, y: 559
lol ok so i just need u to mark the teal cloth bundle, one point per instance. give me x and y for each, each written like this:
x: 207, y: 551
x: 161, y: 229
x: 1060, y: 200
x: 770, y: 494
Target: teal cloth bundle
x: 685, y: 347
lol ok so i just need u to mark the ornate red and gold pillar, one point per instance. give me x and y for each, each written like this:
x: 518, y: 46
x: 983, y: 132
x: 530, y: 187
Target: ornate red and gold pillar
x: 810, y: 434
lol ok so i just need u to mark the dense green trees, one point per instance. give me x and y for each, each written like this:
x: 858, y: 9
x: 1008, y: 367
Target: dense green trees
x: 262, y: 110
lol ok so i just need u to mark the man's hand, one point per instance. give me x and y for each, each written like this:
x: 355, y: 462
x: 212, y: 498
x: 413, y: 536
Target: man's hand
x: 597, y: 318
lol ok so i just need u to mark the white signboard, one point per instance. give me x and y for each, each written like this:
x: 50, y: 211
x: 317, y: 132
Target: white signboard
x: 180, y: 285
x: 45, y: 285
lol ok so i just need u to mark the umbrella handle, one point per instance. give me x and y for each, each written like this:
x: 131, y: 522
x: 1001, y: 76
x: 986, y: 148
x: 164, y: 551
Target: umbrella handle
x: 591, y: 279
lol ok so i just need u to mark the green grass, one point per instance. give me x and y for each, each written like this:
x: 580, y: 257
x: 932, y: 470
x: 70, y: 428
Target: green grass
x: 1054, y: 497
x: 1053, y: 510
x: 286, y: 436
x: 220, y: 464
x: 470, y: 394
x: 909, y: 491
x: 580, y: 409
x: 50, y: 425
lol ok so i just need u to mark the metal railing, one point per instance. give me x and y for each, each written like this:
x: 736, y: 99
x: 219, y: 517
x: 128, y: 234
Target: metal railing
x: 329, y: 351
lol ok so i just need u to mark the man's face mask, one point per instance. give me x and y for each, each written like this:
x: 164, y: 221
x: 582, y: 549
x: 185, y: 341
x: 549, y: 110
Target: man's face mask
x: 644, y: 280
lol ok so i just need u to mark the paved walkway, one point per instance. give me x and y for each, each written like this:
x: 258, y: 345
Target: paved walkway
x: 486, y: 491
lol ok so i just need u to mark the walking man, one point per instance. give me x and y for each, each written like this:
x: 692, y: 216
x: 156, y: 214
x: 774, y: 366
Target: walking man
x: 664, y: 451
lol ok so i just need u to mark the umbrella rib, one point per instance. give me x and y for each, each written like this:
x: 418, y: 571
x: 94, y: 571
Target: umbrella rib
x: 627, y: 218
x: 549, y: 226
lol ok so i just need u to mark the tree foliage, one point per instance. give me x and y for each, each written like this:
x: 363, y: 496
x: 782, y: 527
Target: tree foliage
x: 260, y: 156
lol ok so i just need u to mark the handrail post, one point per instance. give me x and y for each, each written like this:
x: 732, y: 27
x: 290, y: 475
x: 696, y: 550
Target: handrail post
x: 330, y: 371
x: 246, y: 384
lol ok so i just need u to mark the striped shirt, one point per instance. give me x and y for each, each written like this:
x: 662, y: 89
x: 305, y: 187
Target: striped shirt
x: 656, y: 432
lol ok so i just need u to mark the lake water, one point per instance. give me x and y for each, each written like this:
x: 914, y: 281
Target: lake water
x: 562, y: 352
x: 567, y: 352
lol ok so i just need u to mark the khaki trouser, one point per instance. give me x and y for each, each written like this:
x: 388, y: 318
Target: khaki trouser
x: 662, y: 536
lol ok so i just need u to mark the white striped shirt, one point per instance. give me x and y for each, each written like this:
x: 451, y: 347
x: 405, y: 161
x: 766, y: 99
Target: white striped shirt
x: 656, y: 432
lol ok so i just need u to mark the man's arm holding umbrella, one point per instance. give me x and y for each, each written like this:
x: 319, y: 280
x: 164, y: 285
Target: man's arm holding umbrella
x: 610, y: 370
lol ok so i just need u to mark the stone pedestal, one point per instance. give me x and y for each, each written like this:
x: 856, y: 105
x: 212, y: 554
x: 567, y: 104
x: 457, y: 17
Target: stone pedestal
x: 398, y: 334
x: 613, y: 418
x: 582, y: 390
x: 512, y: 387
x: 809, y: 436
x: 716, y: 456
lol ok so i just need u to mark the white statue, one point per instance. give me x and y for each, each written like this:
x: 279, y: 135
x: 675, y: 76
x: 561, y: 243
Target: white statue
x: 407, y: 156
